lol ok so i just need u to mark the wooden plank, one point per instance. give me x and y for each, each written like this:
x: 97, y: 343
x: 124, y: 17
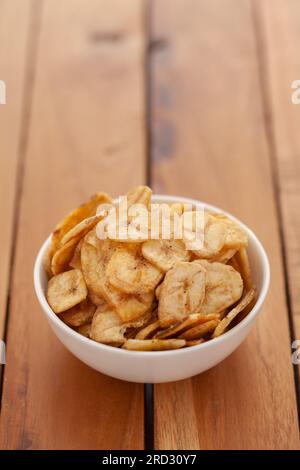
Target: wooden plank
x: 13, y: 17
x: 278, y: 28
x: 210, y: 143
x: 85, y: 134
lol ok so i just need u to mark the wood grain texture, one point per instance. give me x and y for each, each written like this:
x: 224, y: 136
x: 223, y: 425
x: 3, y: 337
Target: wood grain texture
x: 86, y: 133
x: 209, y: 142
x: 279, y: 36
x: 13, y: 16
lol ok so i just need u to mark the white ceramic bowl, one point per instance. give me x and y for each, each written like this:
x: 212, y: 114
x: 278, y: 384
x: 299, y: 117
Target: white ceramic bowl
x: 158, y: 366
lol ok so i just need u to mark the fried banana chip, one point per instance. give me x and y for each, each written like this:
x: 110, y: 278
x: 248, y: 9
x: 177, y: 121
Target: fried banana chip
x: 95, y: 255
x: 94, y: 260
x: 75, y: 262
x: 214, y: 238
x: 200, y: 330
x: 84, y: 330
x: 130, y: 307
x: 191, y: 321
x: 177, y: 208
x: 129, y: 272
x: 80, y: 230
x: 182, y: 292
x: 62, y: 257
x: 139, y: 195
x: 236, y: 238
x: 242, y: 261
x: 223, y: 325
x: 107, y: 327
x: 164, y: 254
x: 79, y: 315
x: 195, y: 342
x: 157, y: 291
x: 148, y: 331
x: 153, y: 344
x: 66, y: 290
x: 224, y: 287
x: 84, y: 211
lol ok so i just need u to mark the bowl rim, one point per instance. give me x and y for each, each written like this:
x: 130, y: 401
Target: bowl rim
x: 38, y: 266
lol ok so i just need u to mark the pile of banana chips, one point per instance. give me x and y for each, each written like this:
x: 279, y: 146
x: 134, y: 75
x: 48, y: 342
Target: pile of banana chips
x: 146, y: 293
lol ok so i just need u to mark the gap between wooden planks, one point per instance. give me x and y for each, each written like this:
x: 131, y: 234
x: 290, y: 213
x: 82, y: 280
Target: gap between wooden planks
x: 86, y: 133
x: 209, y: 142
x: 278, y: 31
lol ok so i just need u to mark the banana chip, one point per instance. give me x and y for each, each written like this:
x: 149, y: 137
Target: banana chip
x: 80, y: 230
x: 191, y: 321
x: 107, y: 327
x: 164, y: 254
x: 223, y: 325
x: 94, y: 259
x: 214, y: 237
x: 79, y: 315
x: 153, y: 344
x: 182, y: 292
x: 84, y: 330
x: 224, y: 287
x: 195, y: 342
x: 200, y: 330
x: 94, y: 262
x: 148, y: 331
x: 62, y: 258
x: 75, y: 262
x: 129, y: 272
x: 242, y: 261
x: 157, y: 291
x: 66, y: 290
x: 139, y: 195
x: 236, y: 238
x: 130, y: 307
x: 82, y: 212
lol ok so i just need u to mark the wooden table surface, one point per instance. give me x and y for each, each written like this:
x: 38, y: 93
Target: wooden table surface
x: 192, y: 97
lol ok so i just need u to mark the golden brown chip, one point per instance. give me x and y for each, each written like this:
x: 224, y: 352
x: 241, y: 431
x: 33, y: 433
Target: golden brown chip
x: 214, y: 237
x: 224, y: 287
x: 131, y: 307
x: 246, y: 300
x: 107, y: 327
x: 242, y: 260
x: 195, y: 342
x: 47, y: 261
x: 87, y: 209
x: 177, y: 208
x: 191, y: 321
x: 148, y: 331
x: 85, y: 330
x: 222, y: 238
x: 235, y: 239
x: 62, y: 257
x: 153, y: 344
x: 80, y: 230
x: 139, y: 195
x: 79, y: 315
x: 164, y: 254
x: 66, y: 290
x: 157, y: 291
x: 129, y: 272
x: 75, y: 262
x: 94, y: 260
x: 200, y: 330
x: 182, y: 292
